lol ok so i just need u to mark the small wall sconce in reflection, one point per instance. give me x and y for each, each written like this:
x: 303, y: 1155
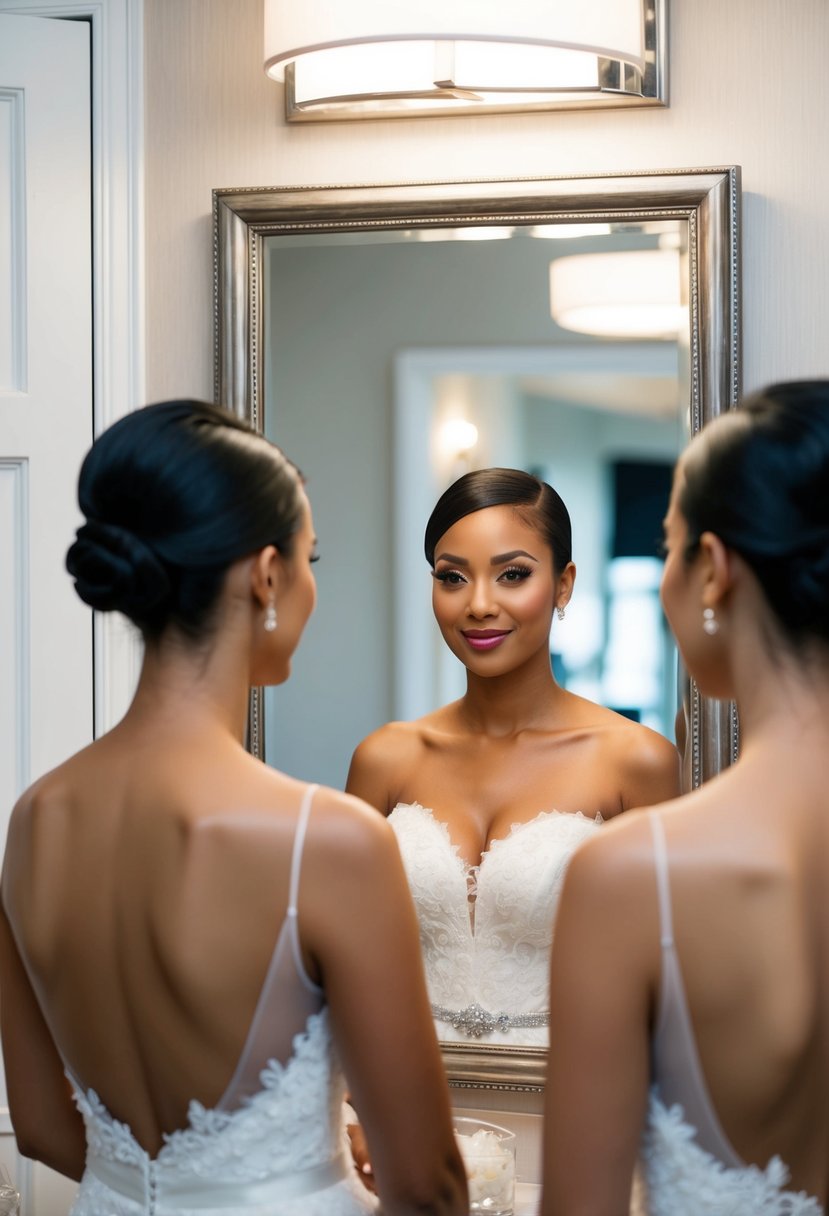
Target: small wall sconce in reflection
x: 632, y: 294
x: 457, y: 438
x: 393, y: 58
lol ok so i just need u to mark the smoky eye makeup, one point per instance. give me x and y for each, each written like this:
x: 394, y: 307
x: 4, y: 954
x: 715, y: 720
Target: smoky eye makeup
x: 515, y: 574
x: 448, y: 577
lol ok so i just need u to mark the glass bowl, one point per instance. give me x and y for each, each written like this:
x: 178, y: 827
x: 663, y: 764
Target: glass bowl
x: 488, y: 1153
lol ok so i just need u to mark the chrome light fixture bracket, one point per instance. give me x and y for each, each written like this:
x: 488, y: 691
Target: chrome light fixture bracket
x: 346, y: 74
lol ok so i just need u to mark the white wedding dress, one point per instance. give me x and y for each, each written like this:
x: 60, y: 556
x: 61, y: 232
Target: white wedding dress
x: 275, y: 1145
x: 688, y: 1166
x: 486, y: 930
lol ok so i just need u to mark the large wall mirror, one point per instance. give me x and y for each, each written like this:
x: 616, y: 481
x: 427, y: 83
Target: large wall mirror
x: 390, y: 337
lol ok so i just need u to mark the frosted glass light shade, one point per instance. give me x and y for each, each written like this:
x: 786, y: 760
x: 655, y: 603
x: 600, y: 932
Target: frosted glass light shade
x: 633, y: 294
x: 352, y: 58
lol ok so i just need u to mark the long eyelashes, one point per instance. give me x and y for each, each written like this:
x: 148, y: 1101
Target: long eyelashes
x: 454, y: 578
x: 515, y: 574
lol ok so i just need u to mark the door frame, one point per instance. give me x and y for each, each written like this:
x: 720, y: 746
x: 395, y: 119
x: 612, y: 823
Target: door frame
x: 118, y: 306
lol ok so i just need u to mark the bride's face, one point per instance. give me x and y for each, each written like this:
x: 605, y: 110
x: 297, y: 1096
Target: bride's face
x: 495, y: 589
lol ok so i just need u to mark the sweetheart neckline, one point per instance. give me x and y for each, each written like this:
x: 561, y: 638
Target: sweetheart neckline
x: 469, y: 867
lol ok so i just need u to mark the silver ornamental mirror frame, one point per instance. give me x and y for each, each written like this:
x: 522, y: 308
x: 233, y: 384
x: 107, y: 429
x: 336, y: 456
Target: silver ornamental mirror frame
x: 708, y: 199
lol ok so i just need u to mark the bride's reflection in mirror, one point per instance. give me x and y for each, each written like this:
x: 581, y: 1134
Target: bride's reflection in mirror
x: 490, y: 795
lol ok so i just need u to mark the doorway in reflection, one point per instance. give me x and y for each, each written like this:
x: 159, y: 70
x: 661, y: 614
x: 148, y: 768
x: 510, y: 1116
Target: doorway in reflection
x: 602, y: 424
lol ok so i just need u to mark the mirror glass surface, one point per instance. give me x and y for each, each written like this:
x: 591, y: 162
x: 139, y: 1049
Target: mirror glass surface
x: 353, y: 341
x: 381, y: 349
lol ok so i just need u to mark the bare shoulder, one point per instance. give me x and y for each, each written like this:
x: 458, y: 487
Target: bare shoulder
x: 381, y: 762
x: 645, y: 749
x: 615, y: 865
x: 648, y: 764
x: 38, y: 815
x: 46, y: 796
x: 348, y: 829
x: 390, y: 745
x: 351, y: 859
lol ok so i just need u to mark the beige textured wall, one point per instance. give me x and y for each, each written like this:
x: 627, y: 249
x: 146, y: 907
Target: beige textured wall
x: 748, y: 87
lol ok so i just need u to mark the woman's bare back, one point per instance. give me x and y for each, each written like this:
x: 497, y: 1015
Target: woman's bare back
x: 150, y: 885
x: 749, y: 868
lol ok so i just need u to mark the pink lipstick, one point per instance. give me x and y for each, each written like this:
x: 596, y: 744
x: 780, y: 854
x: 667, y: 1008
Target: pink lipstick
x: 485, y: 639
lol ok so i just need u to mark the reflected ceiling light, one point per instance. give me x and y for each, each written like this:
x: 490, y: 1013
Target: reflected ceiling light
x: 567, y: 232
x: 384, y: 58
x: 634, y: 294
x: 482, y: 232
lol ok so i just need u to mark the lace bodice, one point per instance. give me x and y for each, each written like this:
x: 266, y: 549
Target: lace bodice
x: 677, y: 1177
x: 260, y: 1158
x: 486, y: 930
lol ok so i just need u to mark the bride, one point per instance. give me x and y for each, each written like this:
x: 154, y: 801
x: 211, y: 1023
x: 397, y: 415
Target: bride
x: 203, y: 945
x: 490, y: 795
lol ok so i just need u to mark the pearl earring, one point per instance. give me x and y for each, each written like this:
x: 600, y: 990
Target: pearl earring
x: 270, y: 617
x: 709, y: 622
x: 560, y: 612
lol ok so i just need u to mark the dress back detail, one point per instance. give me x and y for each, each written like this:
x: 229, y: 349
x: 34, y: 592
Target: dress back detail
x: 688, y: 1167
x: 274, y: 1145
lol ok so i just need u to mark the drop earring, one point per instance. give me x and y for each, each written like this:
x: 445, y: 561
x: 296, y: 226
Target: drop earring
x: 709, y: 622
x: 560, y: 612
x: 270, y: 617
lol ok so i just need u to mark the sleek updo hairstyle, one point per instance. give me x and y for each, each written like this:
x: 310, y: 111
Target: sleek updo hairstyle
x: 534, y: 501
x: 758, y: 478
x: 173, y: 494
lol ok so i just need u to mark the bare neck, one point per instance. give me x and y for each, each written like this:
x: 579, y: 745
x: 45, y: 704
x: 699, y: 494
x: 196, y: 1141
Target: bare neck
x: 187, y: 689
x: 782, y: 696
x: 518, y: 700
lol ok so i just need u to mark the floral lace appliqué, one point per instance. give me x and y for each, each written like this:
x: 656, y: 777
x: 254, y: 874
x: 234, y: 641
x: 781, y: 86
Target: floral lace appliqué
x: 294, y: 1122
x: 679, y: 1178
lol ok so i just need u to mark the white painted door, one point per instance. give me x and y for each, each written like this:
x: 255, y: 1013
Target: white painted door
x: 46, y: 413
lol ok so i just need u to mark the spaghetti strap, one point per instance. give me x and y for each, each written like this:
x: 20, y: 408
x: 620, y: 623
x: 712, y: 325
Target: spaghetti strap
x: 675, y: 1064
x: 288, y: 995
x: 660, y: 857
x: 293, y: 890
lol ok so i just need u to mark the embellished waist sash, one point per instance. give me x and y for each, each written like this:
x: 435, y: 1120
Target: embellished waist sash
x: 475, y: 1021
x: 150, y: 1186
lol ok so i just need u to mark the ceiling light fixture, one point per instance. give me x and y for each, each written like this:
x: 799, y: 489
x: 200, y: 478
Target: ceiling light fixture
x: 632, y: 294
x: 386, y: 58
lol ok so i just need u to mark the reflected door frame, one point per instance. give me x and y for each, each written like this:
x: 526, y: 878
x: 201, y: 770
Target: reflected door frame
x: 418, y: 480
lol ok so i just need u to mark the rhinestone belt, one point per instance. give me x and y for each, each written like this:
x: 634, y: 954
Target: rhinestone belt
x: 475, y: 1021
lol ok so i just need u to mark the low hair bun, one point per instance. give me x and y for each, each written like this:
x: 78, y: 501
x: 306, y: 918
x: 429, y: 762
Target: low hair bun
x: 114, y: 570
x: 174, y: 494
x: 756, y: 477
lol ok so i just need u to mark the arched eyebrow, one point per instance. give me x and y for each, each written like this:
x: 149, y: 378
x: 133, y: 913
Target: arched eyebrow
x: 500, y: 559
